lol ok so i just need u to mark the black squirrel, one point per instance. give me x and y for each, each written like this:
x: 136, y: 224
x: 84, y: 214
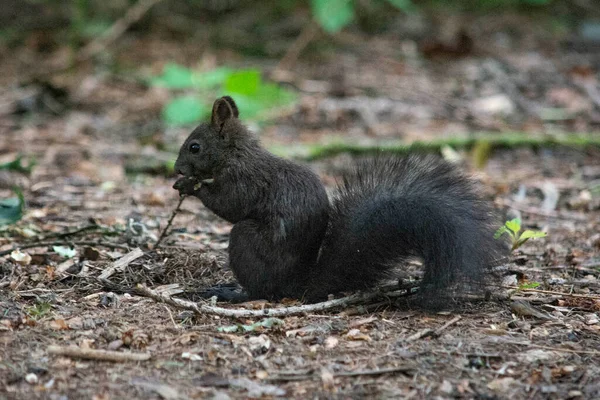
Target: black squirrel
x: 288, y: 241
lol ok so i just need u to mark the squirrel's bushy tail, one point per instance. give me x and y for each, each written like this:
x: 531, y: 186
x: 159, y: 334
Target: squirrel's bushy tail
x: 391, y: 209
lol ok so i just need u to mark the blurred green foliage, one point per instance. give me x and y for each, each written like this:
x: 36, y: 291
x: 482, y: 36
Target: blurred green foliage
x: 332, y: 15
x: 11, y: 209
x: 257, y: 99
x: 254, y: 96
x: 19, y: 164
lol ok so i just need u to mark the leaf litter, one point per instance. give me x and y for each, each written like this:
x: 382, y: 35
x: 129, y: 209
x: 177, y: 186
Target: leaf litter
x: 542, y: 342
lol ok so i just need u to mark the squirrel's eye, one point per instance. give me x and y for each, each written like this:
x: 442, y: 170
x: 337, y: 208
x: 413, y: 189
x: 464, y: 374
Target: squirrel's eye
x: 194, y: 148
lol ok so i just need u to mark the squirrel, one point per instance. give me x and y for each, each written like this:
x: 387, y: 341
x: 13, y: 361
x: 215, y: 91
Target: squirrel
x: 289, y: 241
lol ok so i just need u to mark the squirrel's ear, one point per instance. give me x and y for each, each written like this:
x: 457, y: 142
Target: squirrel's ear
x: 223, y: 110
x: 236, y: 112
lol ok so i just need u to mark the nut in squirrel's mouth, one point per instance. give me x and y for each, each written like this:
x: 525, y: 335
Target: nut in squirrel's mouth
x: 199, y: 181
x: 190, y: 184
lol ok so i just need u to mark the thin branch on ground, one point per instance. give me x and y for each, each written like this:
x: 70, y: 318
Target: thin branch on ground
x: 65, y: 243
x: 371, y: 372
x: 62, y: 235
x: 94, y: 354
x: 536, y: 211
x: 121, y: 263
x: 169, y: 222
x: 432, y: 332
x: 199, y: 308
x: 581, y: 296
x: 537, y: 346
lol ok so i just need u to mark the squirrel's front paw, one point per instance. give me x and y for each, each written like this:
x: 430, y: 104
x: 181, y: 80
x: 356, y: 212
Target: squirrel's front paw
x: 186, y: 185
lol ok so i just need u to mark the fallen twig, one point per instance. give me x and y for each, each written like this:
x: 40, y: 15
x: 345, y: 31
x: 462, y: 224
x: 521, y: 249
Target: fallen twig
x: 93, y: 354
x: 370, y: 372
x: 536, y: 211
x: 62, y: 235
x: 271, y: 312
x: 582, y: 296
x: 374, y: 372
x: 537, y: 346
x: 169, y: 222
x: 432, y: 332
x: 64, y: 243
x: 121, y: 263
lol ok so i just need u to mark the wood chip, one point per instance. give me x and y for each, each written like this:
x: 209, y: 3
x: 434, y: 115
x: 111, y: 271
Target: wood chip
x: 121, y: 263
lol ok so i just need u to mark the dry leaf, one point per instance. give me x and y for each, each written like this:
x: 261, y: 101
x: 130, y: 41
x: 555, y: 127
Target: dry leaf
x: 356, y: 334
x: 446, y: 387
x: 501, y: 385
x: 20, y: 257
x: 58, y: 325
x: 327, y: 379
x: 331, y: 342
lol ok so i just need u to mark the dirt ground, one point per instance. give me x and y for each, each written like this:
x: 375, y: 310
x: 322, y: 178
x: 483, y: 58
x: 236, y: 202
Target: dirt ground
x: 99, y: 185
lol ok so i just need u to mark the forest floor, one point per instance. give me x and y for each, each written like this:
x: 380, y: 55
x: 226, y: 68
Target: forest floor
x: 99, y: 186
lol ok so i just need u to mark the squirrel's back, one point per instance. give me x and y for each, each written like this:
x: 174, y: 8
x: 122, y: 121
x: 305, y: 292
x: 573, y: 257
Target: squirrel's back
x: 390, y: 209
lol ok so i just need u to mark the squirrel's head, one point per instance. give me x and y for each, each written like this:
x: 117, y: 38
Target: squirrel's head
x: 208, y: 145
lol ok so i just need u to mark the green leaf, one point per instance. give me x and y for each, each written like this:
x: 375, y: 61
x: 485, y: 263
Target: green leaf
x: 529, y: 285
x: 525, y: 236
x: 64, y: 251
x: 265, y: 323
x: 271, y: 322
x: 267, y: 98
x: 404, y: 5
x: 333, y: 15
x: 18, y: 166
x: 532, y: 234
x: 174, y: 76
x: 228, y: 329
x: 271, y: 94
x: 39, y: 310
x: 249, y: 107
x: 211, y: 79
x: 514, y: 225
x: 11, y: 209
x: 184, y: 110
x: 245, y: 82
x: 500, y: 231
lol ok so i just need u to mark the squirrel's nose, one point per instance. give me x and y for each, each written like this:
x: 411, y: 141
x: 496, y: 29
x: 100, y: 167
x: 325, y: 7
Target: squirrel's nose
x: 179, y: 171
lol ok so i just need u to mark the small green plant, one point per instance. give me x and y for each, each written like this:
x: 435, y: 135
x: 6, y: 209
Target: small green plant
x: 39, y: 310
x: 11, y: 209
x: 18, y: 165
x: 529, y: 285
x: 512, y: 229
x: 335, y: 15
